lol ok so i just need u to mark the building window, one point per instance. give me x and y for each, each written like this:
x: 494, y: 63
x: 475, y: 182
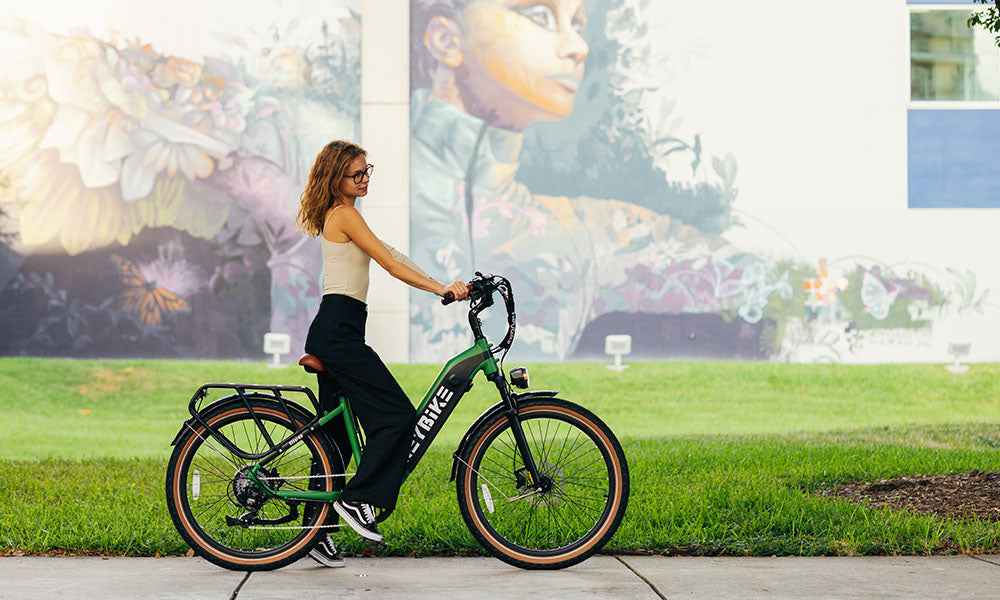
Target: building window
x: 949, y: 61
x: 952, y: 116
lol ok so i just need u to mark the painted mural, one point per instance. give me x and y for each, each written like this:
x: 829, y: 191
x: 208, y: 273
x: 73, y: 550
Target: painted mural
x: 546, y: 145
x: 148, y: 198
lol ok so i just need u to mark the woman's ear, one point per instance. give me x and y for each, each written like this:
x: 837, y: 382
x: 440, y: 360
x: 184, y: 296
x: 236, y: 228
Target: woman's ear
x: 444, y: 41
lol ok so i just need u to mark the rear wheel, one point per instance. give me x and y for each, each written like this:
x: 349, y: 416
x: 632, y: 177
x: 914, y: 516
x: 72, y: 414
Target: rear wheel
x: 584, y: 487
x: 227, y: 518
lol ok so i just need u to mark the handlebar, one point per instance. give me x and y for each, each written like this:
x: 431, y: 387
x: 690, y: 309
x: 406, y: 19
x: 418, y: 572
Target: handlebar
x: 481, y: 290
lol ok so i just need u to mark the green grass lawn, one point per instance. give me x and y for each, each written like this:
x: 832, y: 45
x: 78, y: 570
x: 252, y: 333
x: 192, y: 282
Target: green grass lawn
x: 723, y: 455
x: 76, y: 409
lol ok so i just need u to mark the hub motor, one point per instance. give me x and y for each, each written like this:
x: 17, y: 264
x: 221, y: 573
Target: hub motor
x: 552, y: 485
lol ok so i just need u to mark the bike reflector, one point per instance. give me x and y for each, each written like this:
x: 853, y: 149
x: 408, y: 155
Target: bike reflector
x: 487, y: 498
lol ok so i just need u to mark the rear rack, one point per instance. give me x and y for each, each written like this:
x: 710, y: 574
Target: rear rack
x: 203, y: 401
x: 198, y: 401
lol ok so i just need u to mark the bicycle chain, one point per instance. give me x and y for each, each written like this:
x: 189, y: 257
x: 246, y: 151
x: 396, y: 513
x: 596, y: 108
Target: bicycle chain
x: 303, y: 477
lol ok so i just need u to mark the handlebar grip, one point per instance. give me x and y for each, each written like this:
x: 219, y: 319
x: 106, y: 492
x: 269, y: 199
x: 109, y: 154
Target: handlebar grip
x: 448, y: 298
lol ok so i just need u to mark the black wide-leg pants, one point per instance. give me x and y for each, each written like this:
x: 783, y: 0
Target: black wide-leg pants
x: 337, y: 338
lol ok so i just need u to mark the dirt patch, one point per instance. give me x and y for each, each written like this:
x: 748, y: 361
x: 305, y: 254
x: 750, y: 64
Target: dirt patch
x: 104, y: 380
x: 959, y: 495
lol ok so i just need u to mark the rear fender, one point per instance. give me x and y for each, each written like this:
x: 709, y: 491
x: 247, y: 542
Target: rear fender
x: 189, y: 424
x: 489, y: 414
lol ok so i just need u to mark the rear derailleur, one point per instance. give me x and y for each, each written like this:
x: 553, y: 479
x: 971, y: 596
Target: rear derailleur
x: 248, y: 494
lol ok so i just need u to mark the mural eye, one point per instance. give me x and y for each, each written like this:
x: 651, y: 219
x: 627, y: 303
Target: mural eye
x: 540, y: 15
x: 579, y: 21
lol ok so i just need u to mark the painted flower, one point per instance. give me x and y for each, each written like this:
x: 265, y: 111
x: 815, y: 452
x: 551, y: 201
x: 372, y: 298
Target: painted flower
x: 285, y: 68
x: 133, y: 79
x: 211, y: 89
x: 177, y: 71
x: 536, y: 220
x: 171, y: 271
x: 165, y: 145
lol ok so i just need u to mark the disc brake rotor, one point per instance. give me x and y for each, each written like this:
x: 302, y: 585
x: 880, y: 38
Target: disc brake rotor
x: 556, y: 483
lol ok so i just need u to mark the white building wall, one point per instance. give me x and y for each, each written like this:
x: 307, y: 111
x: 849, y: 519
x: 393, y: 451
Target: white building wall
x: 809, y: 96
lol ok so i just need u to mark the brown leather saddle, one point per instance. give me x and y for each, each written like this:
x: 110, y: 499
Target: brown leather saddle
x: 311, y: 364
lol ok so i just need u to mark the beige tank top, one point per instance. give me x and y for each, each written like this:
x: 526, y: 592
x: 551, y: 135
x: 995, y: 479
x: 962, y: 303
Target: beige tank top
x: 346, y: 267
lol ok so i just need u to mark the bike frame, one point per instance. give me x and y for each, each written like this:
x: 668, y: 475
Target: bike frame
x: 454, y: 380
x: 438, y: 403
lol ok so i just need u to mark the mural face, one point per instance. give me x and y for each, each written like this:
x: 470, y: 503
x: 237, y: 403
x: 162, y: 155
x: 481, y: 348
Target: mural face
x: 523, y: 61
x: 546, y: 145
x: 149, y: 195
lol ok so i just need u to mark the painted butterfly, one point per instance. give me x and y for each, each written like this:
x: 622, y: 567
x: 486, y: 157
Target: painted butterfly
x: 876, y: 297
x: 143, y: 297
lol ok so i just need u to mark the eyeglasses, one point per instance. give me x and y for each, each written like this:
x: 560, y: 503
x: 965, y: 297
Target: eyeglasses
x: 360, y: 175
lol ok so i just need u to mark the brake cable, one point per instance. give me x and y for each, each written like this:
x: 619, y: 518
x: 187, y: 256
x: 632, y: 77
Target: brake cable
x: 508, y: 340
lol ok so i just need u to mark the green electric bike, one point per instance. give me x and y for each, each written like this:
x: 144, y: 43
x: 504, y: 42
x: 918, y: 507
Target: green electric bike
x: 542, y: 483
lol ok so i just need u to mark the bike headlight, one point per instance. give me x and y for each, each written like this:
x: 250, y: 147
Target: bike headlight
x: 519, y: 377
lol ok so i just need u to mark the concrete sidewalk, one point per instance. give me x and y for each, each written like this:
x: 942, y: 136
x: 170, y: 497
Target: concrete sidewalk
x: 625, y: 577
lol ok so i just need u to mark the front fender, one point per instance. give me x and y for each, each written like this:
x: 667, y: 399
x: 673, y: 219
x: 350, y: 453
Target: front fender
x: 487, y: 415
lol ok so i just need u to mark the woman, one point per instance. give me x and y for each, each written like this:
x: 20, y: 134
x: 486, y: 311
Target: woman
x: 485, y: 70
x: 337, y: 335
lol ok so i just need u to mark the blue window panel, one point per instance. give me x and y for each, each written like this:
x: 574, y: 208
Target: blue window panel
x: 952, y: 158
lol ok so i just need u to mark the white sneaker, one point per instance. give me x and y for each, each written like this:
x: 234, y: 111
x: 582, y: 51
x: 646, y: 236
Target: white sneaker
x: 361, y: 518
x: 325, y: 553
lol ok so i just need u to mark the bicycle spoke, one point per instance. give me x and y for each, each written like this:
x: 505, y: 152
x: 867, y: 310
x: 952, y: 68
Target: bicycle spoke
x: 210, y: 468
x: 500, y: 466
x: 204, y: 508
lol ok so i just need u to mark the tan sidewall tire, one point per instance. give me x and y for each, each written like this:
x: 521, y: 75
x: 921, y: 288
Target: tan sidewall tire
x: 596, y: 539
x: 177, y: 486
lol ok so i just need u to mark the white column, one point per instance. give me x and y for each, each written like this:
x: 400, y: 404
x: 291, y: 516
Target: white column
x: 385, y: 134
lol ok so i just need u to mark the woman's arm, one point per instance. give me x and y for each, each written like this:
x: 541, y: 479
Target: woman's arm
x: 353, y: 225
x: 406, y: 260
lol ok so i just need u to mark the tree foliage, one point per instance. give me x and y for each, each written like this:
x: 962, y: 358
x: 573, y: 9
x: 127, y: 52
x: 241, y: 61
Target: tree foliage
x: 988, y: 19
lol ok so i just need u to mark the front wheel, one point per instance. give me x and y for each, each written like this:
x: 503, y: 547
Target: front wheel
x: 566, y: 517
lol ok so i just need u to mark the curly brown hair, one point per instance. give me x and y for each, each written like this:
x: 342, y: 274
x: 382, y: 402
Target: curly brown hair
x: 321, y: 190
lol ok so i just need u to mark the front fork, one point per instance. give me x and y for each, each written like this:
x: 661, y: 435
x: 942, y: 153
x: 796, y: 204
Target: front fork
x: 533, y: 477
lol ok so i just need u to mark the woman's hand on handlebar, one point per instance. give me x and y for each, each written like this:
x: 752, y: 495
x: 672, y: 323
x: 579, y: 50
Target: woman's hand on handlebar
x: 458, y: 290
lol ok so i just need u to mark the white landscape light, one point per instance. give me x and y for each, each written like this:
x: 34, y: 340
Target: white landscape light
x: 958, y: 350
x: 277, y: 344
x: 618, y: 345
